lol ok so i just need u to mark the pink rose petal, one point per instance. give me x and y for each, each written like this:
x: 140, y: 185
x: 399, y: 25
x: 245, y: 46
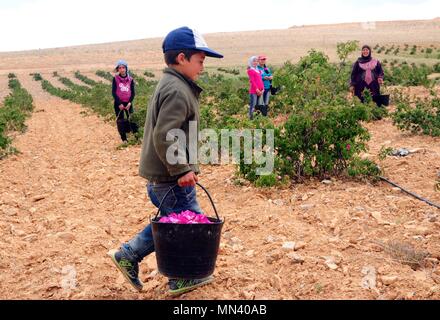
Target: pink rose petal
x: 186, y: 217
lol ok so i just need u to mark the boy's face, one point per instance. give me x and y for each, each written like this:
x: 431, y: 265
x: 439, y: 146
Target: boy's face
x: 194, y: 67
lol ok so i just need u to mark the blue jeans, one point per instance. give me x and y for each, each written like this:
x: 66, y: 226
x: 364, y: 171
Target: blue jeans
x: 253, y: 100
x: 178, y: 200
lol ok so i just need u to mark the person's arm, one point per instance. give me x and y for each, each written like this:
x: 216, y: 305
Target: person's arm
x: 354, y: 73
x: 380, y: 73
x: 173, y: 113
x: 259, y: 83
x: 269, y: 74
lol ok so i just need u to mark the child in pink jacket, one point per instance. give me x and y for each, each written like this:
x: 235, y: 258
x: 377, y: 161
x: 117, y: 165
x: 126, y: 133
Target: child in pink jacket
x: 256, y: 89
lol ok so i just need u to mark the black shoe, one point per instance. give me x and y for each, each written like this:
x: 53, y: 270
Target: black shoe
x: 129, y: 269
x: 180, y: 286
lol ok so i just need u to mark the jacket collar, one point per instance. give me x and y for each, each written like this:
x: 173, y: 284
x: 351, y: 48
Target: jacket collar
x: 193, y: 86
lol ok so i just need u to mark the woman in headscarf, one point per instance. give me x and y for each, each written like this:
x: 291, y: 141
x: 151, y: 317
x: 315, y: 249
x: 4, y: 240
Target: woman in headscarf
x: 123, y: 93
x: 256, y: 89
x: 367, y: 73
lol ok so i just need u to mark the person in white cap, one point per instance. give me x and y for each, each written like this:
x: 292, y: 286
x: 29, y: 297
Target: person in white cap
x: 173, y: 106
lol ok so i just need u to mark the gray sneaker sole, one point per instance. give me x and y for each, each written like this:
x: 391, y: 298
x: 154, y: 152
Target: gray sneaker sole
x: 111, y: 254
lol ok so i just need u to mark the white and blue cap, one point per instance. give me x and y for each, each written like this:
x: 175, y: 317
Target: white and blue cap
x: 186, y: 38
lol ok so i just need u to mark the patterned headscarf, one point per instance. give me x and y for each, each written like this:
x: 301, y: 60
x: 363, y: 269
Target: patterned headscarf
x: 363, y: 59
x: 251, y: 63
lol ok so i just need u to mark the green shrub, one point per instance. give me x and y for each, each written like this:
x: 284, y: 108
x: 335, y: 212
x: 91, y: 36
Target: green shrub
x: 36, y: 76
x: 422, y: 116
x: 105, y: 75
x: 266, y: 181
x: 230, y: 71
x: 365, y: 169
x: 408, y: 75
x: 321, y: 140
x: 68, y: 83
x: 149, y: 74
x: 16, y: 107
x: 85, y: 79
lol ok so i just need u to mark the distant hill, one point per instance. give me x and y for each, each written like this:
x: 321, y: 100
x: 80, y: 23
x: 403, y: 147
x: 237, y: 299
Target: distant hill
x: 279, y: 45
x: 393, y: 24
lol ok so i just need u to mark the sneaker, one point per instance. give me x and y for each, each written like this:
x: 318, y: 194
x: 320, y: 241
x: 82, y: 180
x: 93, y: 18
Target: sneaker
x: 180, y: 286
x: 129, y: 269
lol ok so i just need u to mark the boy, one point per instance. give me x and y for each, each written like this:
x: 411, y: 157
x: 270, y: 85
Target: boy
x: 173, y: 106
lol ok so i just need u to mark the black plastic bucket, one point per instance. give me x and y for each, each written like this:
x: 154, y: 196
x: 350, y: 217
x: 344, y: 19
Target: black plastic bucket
x: 123, y: 125
x: 186, y: 251
x: 382, y: 100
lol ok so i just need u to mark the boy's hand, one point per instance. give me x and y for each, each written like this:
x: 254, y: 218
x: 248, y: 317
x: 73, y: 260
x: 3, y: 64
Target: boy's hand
x: 188, y: 180
x: 121, y: 107
x: 380, y: 81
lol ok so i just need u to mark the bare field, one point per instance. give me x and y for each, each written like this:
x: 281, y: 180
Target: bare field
x: 65, y: 202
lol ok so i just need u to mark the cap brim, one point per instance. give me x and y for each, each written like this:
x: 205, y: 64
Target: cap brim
x: 211, y: 53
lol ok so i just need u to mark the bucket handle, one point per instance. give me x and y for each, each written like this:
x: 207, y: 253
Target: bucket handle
x: 168, y: 192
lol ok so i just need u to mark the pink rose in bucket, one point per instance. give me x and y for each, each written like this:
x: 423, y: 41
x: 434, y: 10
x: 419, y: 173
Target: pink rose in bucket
x: 186, y: 217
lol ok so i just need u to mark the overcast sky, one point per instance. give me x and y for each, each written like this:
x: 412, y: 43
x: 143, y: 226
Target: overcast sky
x: 33, y: 24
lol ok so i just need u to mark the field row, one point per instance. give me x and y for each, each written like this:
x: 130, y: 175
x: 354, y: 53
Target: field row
x: 428, y: 52
x: 15, y: 108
